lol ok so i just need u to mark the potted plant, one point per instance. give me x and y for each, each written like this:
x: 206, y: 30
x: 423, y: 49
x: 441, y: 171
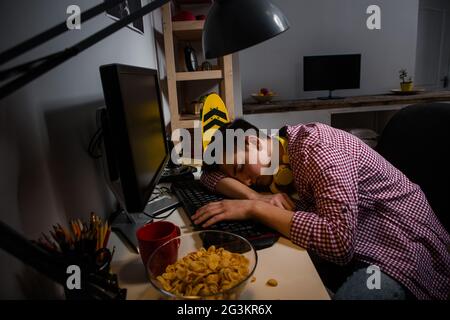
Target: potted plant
x: 406, y: 85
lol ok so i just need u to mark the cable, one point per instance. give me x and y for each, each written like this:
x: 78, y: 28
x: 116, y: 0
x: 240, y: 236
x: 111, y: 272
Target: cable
x: 94, y: 148
x: 159, y: 191
x: 157, y: 217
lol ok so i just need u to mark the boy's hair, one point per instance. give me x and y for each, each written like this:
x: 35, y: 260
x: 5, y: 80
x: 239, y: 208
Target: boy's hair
x: 234, y: 125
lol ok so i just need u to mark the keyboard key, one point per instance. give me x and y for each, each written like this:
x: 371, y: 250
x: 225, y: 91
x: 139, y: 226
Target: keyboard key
x: 193, y: 195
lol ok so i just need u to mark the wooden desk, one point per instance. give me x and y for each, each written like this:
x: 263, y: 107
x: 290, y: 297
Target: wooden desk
x: 349, y: 102
x: 290, y: 265
x: 279, y: 113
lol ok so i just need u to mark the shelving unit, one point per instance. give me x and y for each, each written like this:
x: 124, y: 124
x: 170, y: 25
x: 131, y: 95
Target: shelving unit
x: 180, y: 82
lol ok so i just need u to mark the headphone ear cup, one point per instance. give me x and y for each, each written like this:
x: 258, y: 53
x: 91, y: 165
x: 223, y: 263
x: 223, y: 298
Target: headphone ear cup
x: 284, y: 176
x: 273, y: 188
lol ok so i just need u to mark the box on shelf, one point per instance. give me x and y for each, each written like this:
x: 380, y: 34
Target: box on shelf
x: 194, y: 108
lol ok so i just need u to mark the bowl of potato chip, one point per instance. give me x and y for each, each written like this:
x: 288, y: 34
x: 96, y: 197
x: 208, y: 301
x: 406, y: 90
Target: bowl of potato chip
x: 207, y: 265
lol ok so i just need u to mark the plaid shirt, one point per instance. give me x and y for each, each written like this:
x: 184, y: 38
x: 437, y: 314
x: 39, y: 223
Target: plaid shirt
x: 356, y: 206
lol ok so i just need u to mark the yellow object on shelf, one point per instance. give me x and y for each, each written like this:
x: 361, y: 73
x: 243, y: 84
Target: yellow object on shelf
x: 214, y: 116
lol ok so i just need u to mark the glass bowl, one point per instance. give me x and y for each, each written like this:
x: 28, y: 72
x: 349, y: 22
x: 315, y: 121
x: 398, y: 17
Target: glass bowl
x: 179, y: 247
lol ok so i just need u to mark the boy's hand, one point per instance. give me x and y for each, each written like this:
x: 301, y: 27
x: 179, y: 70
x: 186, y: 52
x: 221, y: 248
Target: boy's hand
x: 280, y: 200
x: 224, y: 210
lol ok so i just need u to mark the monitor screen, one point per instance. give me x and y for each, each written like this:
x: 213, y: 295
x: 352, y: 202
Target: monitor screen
x: 136, y: 131
x: 331, y: 72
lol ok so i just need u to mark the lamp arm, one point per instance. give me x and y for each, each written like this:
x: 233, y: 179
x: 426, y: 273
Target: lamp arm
x: 51, y: 33
x: 58, y: 58
x: 31, y: 254
x: 20, y: 69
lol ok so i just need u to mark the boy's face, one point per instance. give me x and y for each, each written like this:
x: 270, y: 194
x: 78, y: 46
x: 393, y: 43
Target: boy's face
x: 252, y: 159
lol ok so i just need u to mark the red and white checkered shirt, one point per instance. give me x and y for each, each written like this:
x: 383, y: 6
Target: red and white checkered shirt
x: 356, y: 206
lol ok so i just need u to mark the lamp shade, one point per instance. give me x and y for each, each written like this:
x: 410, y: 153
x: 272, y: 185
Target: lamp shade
x: 233, y: 25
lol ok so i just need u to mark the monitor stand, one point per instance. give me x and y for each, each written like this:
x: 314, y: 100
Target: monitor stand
x: 330, y: 96
x: 126, y: 224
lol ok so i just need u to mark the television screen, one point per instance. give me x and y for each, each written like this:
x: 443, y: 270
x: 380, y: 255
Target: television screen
x: 331, y: 72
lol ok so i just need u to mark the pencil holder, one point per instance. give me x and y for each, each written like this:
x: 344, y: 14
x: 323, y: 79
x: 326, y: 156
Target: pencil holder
x: 82, y: 251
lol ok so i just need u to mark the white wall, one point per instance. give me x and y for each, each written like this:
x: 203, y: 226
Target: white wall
x: 47, y: 176
x: 323, y: 27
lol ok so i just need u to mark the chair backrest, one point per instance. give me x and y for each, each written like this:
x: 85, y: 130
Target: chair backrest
x: 417, y: 142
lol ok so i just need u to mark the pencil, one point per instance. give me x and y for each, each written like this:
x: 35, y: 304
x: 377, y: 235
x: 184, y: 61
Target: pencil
x: 106, y: 239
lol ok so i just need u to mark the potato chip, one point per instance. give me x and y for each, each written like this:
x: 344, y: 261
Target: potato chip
x: 213, y: 279
x: 272, y: 282
x: 197, y: 289
x: 213, y: 261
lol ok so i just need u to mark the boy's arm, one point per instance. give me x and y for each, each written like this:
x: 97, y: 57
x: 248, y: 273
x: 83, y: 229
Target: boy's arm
x: 329, y: 231
x: 231, y: 188
x: 234, y: 189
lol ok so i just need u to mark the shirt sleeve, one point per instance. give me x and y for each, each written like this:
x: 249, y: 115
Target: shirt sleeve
x: 301, y: 205
x: 329, y: 231
x: 210, y: 179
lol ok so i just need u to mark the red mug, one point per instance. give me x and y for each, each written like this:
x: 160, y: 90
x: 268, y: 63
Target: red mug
x: 155, y: 234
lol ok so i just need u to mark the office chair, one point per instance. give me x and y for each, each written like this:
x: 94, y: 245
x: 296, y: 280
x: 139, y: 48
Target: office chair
x: 417, y: 142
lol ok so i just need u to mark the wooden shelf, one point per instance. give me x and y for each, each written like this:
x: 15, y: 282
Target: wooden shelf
x: 199, y: 75
x: 188, y: 30
x: 187, y: 120
x: 187, y: 116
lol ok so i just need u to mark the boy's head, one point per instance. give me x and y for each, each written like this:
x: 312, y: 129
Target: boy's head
x: 243, y: 152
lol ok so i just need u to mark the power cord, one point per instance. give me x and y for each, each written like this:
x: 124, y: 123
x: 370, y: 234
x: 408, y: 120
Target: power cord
x: 160, y: 192
x: 158, y: 217
x: 95, y: 145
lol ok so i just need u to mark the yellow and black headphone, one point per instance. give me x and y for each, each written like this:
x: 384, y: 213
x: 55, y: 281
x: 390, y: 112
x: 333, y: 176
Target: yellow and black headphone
x: 283, y: 178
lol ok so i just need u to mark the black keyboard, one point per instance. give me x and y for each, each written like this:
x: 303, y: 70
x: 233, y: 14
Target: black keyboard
x: 193, y: 195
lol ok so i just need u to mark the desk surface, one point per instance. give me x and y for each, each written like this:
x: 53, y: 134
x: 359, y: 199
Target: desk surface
x: 290, y: 265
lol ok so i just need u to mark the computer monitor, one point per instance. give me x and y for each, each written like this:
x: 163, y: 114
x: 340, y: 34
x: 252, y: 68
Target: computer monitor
x: 134, y: 139
x: 331, y: 72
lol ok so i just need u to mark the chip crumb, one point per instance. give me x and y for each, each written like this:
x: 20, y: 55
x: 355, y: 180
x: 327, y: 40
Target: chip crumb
x: 253, y: 279
x: 272, y: 282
